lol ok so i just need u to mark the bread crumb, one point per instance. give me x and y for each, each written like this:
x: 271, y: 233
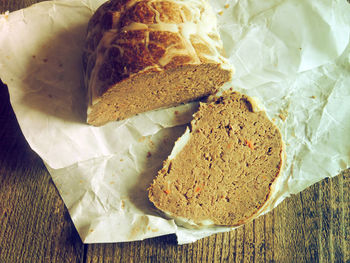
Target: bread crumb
x: 141, y: 139
x: 282, y: 117
x: 149, y: 154
x: 313, y: 97
x: 220, y: 13
x: 151, y: 143
x: 5, y: 15
x: 227, y: 6
x: 112, y: 182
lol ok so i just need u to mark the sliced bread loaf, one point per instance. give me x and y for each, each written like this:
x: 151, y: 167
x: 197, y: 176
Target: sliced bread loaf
x: 142, y: 55
x: 222, y: 170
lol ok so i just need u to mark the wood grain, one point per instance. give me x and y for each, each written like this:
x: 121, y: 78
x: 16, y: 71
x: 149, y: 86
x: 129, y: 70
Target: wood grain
x: 34, y: 222
x: 35, y: 226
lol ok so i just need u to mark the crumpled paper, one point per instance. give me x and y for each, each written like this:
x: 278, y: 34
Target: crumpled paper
x: 294, y: 56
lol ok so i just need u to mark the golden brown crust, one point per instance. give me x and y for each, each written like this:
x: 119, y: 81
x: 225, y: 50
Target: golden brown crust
x: 127, y: 37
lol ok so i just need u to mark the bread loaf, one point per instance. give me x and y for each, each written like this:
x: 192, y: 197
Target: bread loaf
x: 142, y: 55
x: 222, y: 171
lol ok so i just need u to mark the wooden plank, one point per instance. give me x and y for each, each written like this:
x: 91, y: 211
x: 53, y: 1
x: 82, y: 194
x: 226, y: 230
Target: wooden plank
x: 345, y: 208
x: 310, y: 222
x: 325, y: 222
x: 12, y: 5
x: 259, y: 240
x: 35, y: 225
x: 269, y: 235
x: 336, y: 233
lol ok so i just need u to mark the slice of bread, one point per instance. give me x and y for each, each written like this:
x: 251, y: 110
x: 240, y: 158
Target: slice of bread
x: 142, y: 55
x: 223, y: 169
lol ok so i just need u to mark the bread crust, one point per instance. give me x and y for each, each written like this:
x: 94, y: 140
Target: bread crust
x: 128, y: 37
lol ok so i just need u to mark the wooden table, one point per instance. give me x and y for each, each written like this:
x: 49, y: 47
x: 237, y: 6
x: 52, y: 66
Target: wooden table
x: 312, y: 226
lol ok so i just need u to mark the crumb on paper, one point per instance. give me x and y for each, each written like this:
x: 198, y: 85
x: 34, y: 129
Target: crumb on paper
x: 152, y: 229
x: 313, y: 97
x: 149, y: 154
x: 134, y: 231
x: 122, y: 205
x: 141, y: 139
x: 81, y: 181
x: 176, y: 112
x: 112, y: 182
x: 151, y: 143
x: 220, y: 13
x: 283, y: 115
x: 91, y: 230
x: 5, y: 15
x: 121, y: 159
x: 227, y: 6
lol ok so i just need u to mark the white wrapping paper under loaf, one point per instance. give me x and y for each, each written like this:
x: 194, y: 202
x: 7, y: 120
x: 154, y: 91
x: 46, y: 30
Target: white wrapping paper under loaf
x: 291, y: 55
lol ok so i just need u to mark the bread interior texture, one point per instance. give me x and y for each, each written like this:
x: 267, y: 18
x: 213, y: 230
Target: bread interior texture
x: 157, y: 89
x: 224, y: 173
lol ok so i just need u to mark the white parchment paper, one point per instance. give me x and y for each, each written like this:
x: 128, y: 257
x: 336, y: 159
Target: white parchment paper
x: 294, y: 56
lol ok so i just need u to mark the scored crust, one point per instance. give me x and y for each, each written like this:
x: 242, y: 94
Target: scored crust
x: 223, y: 170
x: 135, y: 46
